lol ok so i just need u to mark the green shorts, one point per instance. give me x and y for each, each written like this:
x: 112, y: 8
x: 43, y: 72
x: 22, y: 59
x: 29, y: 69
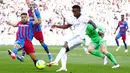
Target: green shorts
x: 98, y: 43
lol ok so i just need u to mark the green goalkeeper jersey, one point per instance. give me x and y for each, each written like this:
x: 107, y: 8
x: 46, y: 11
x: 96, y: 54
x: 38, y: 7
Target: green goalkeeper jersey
x: 93, y: 34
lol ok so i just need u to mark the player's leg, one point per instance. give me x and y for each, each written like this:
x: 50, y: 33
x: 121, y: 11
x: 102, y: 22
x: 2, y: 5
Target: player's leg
x: 39, y: 37
x: 84, y: 46
x: 93, y: 49
x: 16, y: 48
x: 124, y: 41
x: 69, y: 45
x: 117, y: 42
x: 109, y: 55
x: 21, y: 58
x: 29, y: 49
x: 62, y: 52
x: 63, y: 63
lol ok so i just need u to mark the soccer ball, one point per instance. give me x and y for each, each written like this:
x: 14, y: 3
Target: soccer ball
x: 40, y: 64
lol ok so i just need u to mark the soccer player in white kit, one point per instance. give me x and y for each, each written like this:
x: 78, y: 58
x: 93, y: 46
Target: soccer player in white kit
x: 79, y: 22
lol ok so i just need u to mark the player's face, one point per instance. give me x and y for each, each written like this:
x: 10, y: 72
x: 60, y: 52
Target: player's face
x: 31, y: 5
x: 76, y: 12
x: 24, y: 18
x: 122, y: 17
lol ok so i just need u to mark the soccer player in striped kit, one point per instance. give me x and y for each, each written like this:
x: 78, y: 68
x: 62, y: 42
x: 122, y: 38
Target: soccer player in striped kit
x: 24, y: 37
x: 123, y: 25
x: 37, y: 31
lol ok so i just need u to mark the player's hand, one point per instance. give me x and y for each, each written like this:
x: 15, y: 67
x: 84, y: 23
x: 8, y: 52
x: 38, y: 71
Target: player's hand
x: 101, y: 34
x: 32, y: 9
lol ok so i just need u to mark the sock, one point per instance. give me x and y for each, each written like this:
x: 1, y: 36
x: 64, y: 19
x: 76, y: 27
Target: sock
x: 111, y: 57
x: 15, y: 50
x: 45, y: 47
x: 97, y: 53
x: 84, y: 42
x: 64, y: 61
x: 60, y: 54
x: 85, y: 49
x: 34, y: 61
x: 125, y: 45
x: 117, y: 42
x: 23, y: 53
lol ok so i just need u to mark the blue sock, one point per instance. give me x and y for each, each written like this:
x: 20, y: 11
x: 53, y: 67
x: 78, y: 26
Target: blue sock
x: 117, y: 42
x: 15, y: 50
x: 125, y: 45
x: 46, y: 48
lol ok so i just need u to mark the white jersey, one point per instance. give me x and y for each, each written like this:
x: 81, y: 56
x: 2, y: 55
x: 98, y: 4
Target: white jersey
x: 79, y: 25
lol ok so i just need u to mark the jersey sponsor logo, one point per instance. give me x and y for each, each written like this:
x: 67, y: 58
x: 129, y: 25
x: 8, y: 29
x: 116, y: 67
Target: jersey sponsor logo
x: 22, y: 25
x: 122, y: 25
x: 31, y: 18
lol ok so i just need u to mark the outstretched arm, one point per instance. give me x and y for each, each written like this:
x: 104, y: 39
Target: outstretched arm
x: 62, y: 26
x: 12, y: 24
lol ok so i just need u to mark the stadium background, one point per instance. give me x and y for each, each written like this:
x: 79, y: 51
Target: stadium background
x: 104, y: 12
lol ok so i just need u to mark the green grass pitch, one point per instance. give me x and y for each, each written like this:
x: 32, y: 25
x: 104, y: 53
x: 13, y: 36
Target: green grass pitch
x: 78, y: 61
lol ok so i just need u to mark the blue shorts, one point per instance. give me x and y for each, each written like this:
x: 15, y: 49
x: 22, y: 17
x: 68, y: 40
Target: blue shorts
x: 121, y: 35
x: 26, y: 44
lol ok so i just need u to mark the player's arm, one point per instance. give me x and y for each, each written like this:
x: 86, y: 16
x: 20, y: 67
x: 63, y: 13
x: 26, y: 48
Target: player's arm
x: 35, y: 22
x: 38, y: 17
x: 92, y: 23
x: 95, y: 26
x: 101, y: 33
x: 117, y: 28
x: 62, y: 26
x: 127, y: 26
x: 12, y: 24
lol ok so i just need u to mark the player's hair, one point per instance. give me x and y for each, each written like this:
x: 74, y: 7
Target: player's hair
x: 23, y: 13
x: 76, y: 6
x: 122, y: 15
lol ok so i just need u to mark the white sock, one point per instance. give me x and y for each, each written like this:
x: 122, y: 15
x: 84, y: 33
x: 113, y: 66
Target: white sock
x: 60, y: 55
x: 64, y: 61
x: 85, y: 49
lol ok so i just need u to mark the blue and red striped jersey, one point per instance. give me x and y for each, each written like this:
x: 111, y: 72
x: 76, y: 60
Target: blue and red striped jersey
x: 123, y: 25
x: 37, y: 28
x: 25, y: 30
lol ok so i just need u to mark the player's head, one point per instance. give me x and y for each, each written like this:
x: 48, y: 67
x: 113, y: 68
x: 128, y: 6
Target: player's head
x: 76, y: 10
x: 32, y: 5
x: 122, y: 17
x: 24, y: 17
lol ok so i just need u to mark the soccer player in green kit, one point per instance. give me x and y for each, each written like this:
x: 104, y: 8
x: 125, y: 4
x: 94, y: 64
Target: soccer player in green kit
x: 97, y: 42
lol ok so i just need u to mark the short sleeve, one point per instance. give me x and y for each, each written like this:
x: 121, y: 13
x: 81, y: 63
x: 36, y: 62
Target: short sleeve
x: 126, y: 24
x: 37, y: 14
x: 70, y: 20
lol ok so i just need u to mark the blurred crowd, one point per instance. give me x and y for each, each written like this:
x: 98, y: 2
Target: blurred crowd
x: 104, y: 12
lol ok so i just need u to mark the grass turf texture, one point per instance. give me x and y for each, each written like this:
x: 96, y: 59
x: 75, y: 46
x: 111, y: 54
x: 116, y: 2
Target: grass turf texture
x: 78, y: 61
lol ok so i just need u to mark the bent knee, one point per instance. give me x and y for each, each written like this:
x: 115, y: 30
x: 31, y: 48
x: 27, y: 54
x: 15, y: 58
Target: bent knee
x: 17, y: 46
x: 104, y: 51
x: 90, y: 50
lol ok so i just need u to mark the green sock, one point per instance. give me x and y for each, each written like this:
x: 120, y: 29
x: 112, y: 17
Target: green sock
x: 111, y: 57
x: 97, y: 53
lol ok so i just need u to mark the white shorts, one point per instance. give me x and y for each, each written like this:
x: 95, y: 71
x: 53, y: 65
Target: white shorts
x: 75, y: 41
